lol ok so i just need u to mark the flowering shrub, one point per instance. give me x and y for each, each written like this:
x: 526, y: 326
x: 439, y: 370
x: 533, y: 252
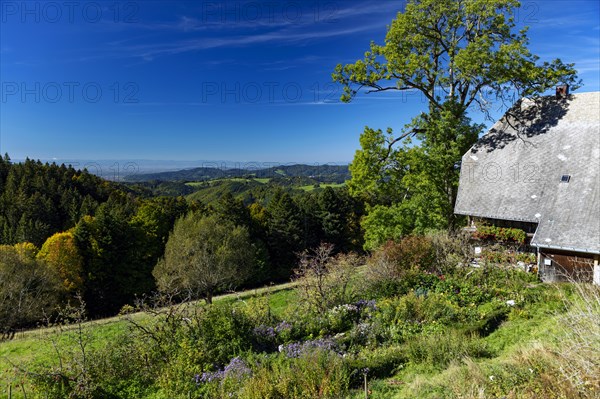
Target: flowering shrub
x: 265, y: 332
x: 366, y: 305
x: 267, y: 337
x: 342, y: 317
x: 283, y: 327
x: 364, y: 334
x: 298, y: 349
x: 497, y: 257
x: 237, y: 369
x: 506, y: 234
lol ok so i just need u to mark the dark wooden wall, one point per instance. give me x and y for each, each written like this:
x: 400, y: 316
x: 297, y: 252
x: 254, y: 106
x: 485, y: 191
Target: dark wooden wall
x: 567, y: 267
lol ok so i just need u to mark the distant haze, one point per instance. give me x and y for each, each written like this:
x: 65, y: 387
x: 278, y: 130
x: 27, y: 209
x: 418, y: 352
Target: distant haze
x: 119, y: 169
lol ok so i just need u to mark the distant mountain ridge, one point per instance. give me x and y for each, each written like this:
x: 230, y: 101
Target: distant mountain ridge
x: 320, y: 173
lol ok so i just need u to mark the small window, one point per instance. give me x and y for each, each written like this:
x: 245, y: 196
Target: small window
x: 565, y: 178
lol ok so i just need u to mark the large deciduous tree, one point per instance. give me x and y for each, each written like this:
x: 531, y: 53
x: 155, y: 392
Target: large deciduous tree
x: 458, y: 55
x: 204, y: 255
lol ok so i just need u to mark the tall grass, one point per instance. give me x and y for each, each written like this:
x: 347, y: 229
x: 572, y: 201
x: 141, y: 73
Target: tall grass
x: 561, y: 360
x: 579, y: 351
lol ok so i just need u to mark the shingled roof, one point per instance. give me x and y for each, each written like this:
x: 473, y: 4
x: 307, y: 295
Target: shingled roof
x: 515, y: 172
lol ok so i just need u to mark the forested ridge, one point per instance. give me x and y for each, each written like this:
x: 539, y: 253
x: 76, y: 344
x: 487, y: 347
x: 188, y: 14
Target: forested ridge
x: 323, y: 173
x: 37, y: 200
x: 102, y: 240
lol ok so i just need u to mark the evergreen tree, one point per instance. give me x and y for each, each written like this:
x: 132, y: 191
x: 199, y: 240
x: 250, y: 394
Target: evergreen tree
x: 285, y: 233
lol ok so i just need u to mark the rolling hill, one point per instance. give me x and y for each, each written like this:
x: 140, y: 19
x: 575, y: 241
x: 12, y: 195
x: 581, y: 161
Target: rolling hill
x: 319, y: 173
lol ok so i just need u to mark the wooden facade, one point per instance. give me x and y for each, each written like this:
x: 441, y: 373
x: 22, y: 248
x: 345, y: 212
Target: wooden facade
x: 557, y: 266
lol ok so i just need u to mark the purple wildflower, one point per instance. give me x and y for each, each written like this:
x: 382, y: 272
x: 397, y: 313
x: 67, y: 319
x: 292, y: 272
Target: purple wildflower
x: 265, y: 331
x: 283, y: 326
x: 209, y: 376
x: 297, y: 349
x: 366, y: 304
x: 236, y: 368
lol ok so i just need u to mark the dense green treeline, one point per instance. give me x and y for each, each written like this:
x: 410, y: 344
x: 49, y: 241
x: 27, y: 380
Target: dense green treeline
x: 102, y: 240
x: 37, y: 200
x: 120, y: 247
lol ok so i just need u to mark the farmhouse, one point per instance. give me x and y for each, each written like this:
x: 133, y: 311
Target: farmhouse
x: 538, y: 169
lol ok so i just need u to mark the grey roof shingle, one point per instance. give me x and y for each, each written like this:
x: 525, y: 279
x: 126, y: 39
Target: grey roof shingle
x: 514, y: 171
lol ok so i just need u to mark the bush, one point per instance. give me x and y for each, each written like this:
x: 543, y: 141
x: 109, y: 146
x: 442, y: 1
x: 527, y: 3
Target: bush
x: 221, y: 333
x: 29, y: 288
x: 410, y: 252
x: 223, y: 383
x: 451, y: 250
x: 315, y: 373
x: 324, y: 281
x: 182, y: 341
x: 396, y: 268
x: 206, y: 341
x: 86, y: 370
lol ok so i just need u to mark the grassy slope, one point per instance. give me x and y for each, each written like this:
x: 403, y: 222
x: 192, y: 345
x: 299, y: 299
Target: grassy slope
x: 233, y: 179
x: 36, y: 345
x: 211, y: 191
x: 215, y: 190
x: 526, y: 336
x: 321, y: 186
x: 520, y: 345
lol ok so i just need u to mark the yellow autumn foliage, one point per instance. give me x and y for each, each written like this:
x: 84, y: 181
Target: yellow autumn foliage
x: 26, y: 250
x: 60, y: 252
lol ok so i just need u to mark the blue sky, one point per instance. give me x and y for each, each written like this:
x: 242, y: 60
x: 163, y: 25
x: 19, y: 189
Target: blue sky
x: 216, y: 80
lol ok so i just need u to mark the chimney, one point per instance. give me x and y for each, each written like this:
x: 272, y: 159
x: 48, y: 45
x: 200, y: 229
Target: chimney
x: 562, y: 91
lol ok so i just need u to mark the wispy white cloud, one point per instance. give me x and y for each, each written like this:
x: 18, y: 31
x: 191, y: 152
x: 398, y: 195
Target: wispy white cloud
x: 231, y: 16
x: 288, y: 35
x: 193, y: 31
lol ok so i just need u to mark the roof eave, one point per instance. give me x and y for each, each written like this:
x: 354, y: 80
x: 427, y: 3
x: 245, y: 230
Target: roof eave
x: 564, y: 248
x: 481, y: 215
